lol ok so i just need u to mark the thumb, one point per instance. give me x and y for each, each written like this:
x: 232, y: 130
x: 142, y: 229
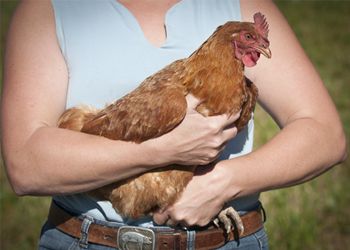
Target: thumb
x: 192, y: 102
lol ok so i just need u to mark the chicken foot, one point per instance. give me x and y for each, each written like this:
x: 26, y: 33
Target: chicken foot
x: 226, y: 216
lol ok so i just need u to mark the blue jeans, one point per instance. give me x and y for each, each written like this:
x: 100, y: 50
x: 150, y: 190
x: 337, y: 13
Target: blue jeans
x: 256, y: 241
x: 53, y: 239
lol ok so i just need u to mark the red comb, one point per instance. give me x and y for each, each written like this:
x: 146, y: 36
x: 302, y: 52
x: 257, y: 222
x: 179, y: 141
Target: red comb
x: 260, y: 24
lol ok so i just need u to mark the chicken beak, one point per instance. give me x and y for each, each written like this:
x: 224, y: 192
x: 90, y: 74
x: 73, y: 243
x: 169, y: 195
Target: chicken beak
x: 264, y: 50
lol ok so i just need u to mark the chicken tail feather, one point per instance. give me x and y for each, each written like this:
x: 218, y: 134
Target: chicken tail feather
x: 74, y: 118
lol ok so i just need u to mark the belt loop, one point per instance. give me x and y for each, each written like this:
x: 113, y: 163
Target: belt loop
x: 191, y: 240
x: 84, y: 231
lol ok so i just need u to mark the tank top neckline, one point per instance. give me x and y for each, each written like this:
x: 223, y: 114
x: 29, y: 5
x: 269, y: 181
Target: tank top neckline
x: 136, y: 27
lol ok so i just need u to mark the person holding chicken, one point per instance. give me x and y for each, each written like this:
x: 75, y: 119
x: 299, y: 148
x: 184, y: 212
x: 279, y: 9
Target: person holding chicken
x: 94, y: 52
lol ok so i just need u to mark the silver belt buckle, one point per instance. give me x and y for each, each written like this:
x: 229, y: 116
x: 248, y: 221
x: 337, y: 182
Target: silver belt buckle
x: 135, y: 238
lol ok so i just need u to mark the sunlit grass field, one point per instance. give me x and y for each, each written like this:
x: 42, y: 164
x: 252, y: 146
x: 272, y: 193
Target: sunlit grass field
x: 315, y: 215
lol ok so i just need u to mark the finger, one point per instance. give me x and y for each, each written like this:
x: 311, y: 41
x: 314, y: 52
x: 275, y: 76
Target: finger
x: 171, y: 223
x: 229, y: 133
x: 192, y: 102
x: 232, y: 118
x: 225, y: 120
x: 160, y: 218
x: 221, y: 148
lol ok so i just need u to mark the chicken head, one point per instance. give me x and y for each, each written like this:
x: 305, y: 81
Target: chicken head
x: 251, y: 41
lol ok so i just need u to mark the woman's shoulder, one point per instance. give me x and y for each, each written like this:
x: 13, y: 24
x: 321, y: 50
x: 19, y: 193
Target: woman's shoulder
x: 33, y: 16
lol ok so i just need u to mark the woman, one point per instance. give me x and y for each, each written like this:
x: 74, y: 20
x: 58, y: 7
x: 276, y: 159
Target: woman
x: 60, y: 54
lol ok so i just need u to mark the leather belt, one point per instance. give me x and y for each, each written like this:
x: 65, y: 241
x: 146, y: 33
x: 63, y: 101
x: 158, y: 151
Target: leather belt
x: 145, y: 238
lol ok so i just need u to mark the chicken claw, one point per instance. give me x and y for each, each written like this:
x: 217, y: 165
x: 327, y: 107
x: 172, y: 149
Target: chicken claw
x: 225, y: 217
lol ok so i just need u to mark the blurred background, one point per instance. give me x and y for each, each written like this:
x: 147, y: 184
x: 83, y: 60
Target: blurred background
x: 314, y: 215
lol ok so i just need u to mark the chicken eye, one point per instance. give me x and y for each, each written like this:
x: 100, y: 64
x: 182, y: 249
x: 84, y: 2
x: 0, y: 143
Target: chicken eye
x: 248, y: 36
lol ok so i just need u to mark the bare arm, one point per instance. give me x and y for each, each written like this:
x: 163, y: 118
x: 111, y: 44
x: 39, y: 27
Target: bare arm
x: 42, y: 159
x: 311, y: 139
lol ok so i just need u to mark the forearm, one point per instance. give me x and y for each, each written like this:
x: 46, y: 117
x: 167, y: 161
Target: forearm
x: 59, y: 161
x: 48, y: 160
x: 301, y: 151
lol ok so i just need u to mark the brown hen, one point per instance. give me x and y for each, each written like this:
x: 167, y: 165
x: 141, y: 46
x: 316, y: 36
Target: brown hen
x: 214, y: 74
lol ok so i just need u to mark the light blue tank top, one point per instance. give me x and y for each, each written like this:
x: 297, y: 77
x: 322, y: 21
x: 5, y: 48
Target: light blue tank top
x: 107, y: 56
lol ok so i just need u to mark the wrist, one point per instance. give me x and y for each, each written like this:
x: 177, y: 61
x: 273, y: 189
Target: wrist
x: 156, y: 153
x: 244, y: 175
x: 221, y: 181
x: 227, y: 174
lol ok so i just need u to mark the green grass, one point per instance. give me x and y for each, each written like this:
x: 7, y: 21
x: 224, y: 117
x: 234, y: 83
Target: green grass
x: 314, y: 215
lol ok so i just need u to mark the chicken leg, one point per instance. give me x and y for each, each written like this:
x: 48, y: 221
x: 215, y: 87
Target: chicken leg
x: 226, y: 217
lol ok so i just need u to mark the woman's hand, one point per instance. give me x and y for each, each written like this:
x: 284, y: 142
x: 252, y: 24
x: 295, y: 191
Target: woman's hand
x: 202, y: 199
x: 198, y: 140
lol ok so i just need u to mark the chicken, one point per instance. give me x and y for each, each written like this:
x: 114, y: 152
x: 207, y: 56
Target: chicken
x: 214, y: 74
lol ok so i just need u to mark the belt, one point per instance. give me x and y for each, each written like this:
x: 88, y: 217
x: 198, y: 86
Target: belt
x: 125, y: 237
